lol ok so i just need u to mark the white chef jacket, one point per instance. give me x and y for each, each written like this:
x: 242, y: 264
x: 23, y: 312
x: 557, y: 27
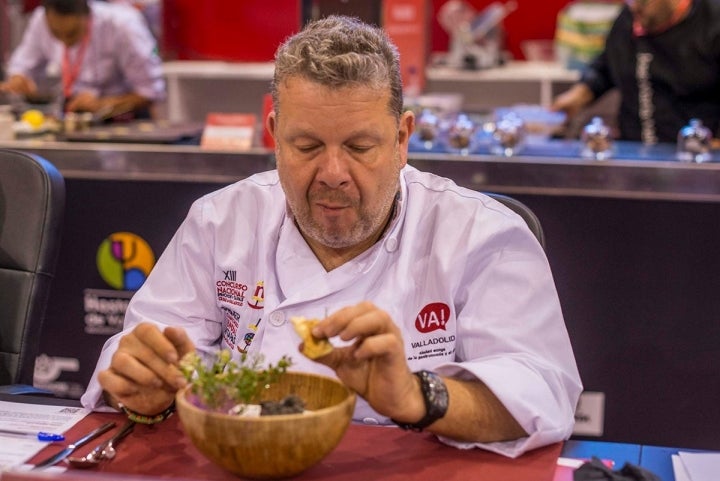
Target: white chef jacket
x: 462, y: 275
x: 120, y: 58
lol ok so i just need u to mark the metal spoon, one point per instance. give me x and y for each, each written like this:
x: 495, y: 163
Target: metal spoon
x: 103, y: 451
x: 108, y: 451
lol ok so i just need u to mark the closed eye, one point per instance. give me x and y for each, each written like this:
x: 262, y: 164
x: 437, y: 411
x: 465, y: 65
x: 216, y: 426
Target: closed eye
x: 306, y: 148
x: 360, y: 149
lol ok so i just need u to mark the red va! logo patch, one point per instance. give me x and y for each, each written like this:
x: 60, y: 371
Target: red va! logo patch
x: 432, y: 317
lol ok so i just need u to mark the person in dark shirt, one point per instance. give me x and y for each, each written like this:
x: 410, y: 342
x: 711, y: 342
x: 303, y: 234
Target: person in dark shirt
x: 664, y: 57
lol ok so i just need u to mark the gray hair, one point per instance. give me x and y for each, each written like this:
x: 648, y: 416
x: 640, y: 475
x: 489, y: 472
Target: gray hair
x: 339, y: 51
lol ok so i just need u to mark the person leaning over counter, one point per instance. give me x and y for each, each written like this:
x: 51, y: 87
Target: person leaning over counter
x: 441, y: 302
x: 664, y: 57
x: 105, y: 55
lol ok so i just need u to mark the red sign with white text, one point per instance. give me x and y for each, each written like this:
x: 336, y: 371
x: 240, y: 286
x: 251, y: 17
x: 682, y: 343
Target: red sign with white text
x: 432, y: 317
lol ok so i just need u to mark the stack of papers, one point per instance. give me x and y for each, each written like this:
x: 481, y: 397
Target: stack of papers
x: 27, y: 420
x: 696, y: 466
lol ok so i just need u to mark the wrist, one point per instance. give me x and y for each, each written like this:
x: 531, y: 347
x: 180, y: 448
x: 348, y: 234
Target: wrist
x: 435, y: 400
x: 412, y: 409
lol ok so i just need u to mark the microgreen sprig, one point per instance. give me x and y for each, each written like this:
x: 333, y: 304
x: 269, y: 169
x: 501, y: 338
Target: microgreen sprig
x: 226, y: 383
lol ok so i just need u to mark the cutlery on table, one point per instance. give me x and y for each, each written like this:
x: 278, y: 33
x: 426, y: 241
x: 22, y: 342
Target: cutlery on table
x: 105, y: 450
x: 56, y: 458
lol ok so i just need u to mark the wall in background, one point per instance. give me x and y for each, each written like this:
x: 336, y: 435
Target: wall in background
x: 251, y: 30
x: 248, y: 31
x: 532, y: 20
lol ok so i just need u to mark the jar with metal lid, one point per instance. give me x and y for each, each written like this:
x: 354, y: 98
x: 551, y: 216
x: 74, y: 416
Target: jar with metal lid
x: 694, y: 141
x: 428, y: 129
x: 508, y: 136
x: 597, y: 140
x: 460, y: 136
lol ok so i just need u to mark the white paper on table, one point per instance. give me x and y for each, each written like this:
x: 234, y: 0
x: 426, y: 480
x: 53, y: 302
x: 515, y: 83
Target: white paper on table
x: 679, y: 469
x: 701, y: 466
x: 31, y: 418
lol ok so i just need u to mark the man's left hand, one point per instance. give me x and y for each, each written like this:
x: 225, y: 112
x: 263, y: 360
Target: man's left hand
x: 374, y: 365
x: 84, y: 102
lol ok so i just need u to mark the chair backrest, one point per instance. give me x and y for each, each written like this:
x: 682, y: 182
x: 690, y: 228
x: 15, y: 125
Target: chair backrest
x: 523, y: 211
x: 32, y: 206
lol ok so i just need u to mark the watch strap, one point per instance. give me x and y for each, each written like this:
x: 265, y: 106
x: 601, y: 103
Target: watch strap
x: 144, y: 419
x: 435, y: 396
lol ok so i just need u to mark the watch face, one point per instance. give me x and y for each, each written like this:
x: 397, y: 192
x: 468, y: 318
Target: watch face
x: 435, y: 392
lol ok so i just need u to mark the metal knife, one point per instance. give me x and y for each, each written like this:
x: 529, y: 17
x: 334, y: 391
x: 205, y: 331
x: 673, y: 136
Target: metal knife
x: 56, y: 458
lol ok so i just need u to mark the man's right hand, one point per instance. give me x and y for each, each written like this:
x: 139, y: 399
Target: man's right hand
x: 19, y: 84
x: 573, y: 100
x: 144, y: 374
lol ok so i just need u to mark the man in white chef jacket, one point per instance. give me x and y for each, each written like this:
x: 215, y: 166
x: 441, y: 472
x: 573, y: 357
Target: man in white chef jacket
x: 439, y: 300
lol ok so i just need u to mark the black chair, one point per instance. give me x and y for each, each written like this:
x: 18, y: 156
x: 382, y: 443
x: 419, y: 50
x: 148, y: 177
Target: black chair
x: 32, y: 205
x: 523, y: 211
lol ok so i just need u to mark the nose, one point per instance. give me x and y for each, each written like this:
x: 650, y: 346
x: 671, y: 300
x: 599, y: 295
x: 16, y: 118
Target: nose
x: 333, y: 169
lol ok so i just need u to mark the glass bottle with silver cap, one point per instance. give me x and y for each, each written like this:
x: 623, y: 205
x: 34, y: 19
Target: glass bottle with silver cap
x: 596, y: 140
x: 694, y: 142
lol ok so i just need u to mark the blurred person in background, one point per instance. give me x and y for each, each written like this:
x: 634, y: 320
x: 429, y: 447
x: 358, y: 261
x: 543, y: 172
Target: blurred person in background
x: 664, y: 58
x: 104, y: 54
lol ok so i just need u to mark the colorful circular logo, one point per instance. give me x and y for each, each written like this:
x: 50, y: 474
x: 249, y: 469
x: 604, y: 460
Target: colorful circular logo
x: 124, y: 260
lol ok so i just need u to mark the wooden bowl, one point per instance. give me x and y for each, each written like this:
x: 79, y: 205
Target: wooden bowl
x: 269, y: 447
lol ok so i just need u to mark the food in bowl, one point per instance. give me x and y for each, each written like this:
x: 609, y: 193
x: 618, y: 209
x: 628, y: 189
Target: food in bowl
x: 229, y: 387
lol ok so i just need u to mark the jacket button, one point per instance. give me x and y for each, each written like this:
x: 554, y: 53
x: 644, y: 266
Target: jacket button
x: 277, y: 318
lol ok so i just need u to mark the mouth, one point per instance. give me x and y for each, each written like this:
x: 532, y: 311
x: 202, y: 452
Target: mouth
x: 325, y: 207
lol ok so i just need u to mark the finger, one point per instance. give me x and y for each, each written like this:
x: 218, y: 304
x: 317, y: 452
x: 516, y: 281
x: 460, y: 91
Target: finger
x: 71, y: 105
x: 119, y: 390
x: 332, y: 325
x: 17, y: 86
x: 368, y: 323
x: 336, y: 358
x: 117, y: 386
x: 30, y: 86
x: 151, y: 336
x: 148, y: 357
x: 180, y: 340
x: 136, y: 369
x: 383, y: 345
x: 79, y: 101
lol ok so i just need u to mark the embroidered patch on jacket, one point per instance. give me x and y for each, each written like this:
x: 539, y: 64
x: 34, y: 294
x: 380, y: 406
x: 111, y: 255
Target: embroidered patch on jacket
x: 432, y: 318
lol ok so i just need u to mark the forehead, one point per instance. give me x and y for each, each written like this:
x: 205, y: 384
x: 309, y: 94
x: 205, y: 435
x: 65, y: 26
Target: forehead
x: 306, y: 98
x: 64, y: 23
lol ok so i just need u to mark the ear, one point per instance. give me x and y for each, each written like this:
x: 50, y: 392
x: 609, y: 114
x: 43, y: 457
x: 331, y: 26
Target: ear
x: 271, y: 124
x: 406, y: 127
x: 405, y: 130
